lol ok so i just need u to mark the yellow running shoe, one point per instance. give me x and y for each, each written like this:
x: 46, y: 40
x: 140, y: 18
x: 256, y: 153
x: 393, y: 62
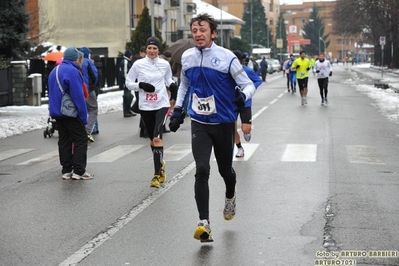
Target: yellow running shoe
x: 162, y: 174
x: 155, y: 181
x: 203, y: 231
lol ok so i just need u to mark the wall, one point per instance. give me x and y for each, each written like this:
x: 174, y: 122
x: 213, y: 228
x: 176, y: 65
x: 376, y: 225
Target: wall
x: 91, y: 23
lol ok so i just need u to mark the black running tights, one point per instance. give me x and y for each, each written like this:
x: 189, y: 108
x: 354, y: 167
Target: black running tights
x: 221, y: 138
x: 323, y: 86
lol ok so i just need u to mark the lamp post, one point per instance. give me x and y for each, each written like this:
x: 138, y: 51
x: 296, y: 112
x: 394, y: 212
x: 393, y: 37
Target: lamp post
x: 329, y: 24
x: 320, y: 37
x: 152, y: 18
x: 280, y: 26
x: 221, y: 24
x: 252, y: 37
x: 324, y: 44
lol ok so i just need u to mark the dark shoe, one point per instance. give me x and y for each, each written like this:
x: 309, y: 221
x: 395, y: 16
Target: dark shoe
x: 132, y: 114
x: 95, y: 132
x: 127, y: 115
x: 165, y: 130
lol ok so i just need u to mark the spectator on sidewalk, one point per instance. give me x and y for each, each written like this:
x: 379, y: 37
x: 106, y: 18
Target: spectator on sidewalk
x: 90, y: 75
x: 67, y: 78
x: 127, y: 96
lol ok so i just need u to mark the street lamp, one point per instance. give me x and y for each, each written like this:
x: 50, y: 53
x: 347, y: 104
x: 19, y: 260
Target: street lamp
x: 329, y: 24
x: 280, y: 26
x: 252, y: 35
x: 324, y: 44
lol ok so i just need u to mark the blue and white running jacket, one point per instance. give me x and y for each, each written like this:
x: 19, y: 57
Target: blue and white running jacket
x: 210, y: 76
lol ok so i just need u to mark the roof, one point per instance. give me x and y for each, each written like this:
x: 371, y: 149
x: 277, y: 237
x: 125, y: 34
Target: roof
x: 216, y: 13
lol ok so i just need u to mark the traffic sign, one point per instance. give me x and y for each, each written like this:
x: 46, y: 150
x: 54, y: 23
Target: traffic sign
x: 279, y: 43
x: 382, y: 40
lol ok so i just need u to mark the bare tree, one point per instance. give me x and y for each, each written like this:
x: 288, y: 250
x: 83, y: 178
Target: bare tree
x: 370, y: 19
x: 41, y: 27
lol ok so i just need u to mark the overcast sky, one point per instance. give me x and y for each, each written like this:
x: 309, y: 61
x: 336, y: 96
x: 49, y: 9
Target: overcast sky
x: 293, y: 2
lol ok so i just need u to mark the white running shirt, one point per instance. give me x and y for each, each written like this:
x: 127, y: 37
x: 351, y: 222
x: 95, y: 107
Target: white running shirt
x: 158, y: 73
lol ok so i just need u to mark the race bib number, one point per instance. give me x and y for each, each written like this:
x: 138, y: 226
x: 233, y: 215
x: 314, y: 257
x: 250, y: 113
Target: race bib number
x: 302, y: 74
x: 203, y: 106
x: 151, y: 97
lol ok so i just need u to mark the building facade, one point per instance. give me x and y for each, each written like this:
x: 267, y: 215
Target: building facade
x: 298, y: 15
x: 236, y: 8
x: 105, y: 26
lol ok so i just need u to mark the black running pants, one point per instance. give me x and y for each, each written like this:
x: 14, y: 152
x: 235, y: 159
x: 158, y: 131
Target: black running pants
x: 323, y: 87
x: 204, y: 137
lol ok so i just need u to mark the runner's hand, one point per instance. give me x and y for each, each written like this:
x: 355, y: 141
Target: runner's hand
x: 239, y: 101
x: 173, y: 87
x: 146, y: 86
x: 176, y: 119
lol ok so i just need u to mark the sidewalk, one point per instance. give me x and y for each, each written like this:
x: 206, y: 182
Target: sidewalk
x: 15, y: 120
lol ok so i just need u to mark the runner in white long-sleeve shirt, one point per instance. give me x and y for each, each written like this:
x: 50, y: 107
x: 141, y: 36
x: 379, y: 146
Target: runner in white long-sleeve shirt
x: 323, y: 69
x: 150, y: 76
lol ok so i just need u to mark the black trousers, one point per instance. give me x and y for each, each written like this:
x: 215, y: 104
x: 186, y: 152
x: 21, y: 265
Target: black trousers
x: 71, y: 130
x: 323, y: 87
x: 221, y: 138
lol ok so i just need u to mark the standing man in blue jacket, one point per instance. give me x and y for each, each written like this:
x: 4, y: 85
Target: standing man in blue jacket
x: 210, y: 74
x: 71, y: 130
x: 90, y: 75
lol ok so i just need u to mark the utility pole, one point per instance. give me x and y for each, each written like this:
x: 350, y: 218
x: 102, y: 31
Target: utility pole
x: 252, y: 35
x: 152, y: 18
x: 221, y: 24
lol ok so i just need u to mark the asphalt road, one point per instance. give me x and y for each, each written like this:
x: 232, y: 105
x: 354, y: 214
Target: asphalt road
x: 316, y: 181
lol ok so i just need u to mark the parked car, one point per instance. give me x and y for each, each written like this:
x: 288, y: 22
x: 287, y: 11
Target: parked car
x: 275, y: 64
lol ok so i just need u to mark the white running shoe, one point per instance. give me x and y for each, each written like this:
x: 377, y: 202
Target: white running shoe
x: 247, y: 137
x: 229, y: 210
x: 85, y: 176
x: 240, y: 153
x: 67, y: 176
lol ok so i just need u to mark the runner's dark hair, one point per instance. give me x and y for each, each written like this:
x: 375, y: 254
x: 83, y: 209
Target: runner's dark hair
x: 205, y: 17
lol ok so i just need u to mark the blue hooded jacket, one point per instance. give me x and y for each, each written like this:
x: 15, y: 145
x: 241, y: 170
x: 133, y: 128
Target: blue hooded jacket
x: 90, y: 76
x: 71, y: 81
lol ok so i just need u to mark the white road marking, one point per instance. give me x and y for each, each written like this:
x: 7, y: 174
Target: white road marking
x: 12, y: 153
x: 42, y: 159
x: 87, y: 249
x: 259, y: 112
x: 114, y: 154
x: 281, y: 95
x: 177, y: 152
x: 300, y: 153
x: 363, y: 154
x: 272, y: 102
